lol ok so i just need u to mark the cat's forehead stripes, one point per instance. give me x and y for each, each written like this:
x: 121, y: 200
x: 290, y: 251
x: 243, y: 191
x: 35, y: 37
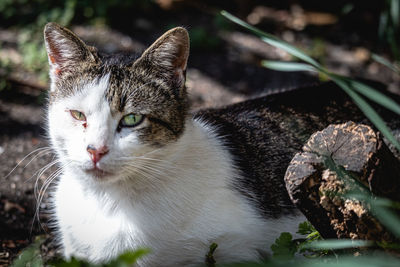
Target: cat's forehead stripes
x: 136, y: 87
x: 136, y: 91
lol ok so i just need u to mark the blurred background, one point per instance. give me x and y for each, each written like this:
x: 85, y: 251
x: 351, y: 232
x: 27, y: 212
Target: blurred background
x: 224, y: 67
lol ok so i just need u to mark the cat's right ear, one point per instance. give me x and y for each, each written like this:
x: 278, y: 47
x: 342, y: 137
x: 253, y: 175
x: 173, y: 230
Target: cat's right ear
x: 65, y: 51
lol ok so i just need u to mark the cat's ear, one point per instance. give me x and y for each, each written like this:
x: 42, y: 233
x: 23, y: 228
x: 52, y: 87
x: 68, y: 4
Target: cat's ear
x: 168, y: 56
x: 65, y: 50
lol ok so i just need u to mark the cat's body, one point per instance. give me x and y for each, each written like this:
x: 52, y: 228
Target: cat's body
x: 190, y: 203
x: 164, y: 179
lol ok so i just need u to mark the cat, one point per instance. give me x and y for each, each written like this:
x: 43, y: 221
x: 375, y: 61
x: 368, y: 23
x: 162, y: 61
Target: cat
x: 138, y: 170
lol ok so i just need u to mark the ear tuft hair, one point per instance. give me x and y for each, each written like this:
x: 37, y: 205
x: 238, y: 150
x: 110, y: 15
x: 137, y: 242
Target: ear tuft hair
x: 168, y: 55
x: 64, y: 49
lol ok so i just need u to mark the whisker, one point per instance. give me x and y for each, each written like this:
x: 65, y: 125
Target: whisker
x: 153, y: 170
x: 38, y: 150
x: 145, y: 158
x: 159, y: 167
x: 41, y: 153
x: 43, y: 189
x: 142, y: 173
x: 40, y: 172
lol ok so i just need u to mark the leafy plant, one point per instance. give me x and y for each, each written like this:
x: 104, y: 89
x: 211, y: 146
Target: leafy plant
x: 210, y: 261
x: 284, y: 247
x: 126, y: 259
x: 31, y: 257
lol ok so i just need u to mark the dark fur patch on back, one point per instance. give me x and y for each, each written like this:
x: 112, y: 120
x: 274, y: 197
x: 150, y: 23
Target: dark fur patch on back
x: 264, y: 134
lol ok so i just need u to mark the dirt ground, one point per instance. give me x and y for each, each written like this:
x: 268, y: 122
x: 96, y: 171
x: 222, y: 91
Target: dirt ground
x: 216, y: 77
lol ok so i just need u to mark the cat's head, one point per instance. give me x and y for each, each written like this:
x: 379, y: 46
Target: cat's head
x: 106, y: 111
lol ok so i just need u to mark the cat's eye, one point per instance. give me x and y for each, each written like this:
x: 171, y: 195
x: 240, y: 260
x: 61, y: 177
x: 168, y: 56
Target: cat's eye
x: 77, y: 115
x: 131, y: 120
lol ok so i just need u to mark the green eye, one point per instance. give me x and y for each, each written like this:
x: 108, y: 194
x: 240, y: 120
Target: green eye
x: 131, y: 120
x: 77, y: 115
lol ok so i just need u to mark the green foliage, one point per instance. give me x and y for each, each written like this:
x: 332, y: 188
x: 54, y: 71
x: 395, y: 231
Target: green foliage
x: 30, y: 256
x: 210, y: 261
x: 337, y: 244
x: 33, y: 15
x: 284, y: 247
x: 392, y: 66
x: 306, y: 228
x: 124, y: 260
x: 351, y: 86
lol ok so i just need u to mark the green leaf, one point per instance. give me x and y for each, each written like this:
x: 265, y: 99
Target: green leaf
x: 273, y: 40
x: 374, y: 95
x: 378, y: 201
x: 394, y: 12
x: 30, y: 256
x: 210, y: 261
x: 348, y: 85
x: 128, y: 258
x: 287, y: 66
x: 351, y: 261
x: 284, y: 248
x: 395, y: 68
x: 388, y: 218
x: 73, y: 262
x: 381, y: 208
x: 368, y: 111
x: 337, y: 244
x: 305, y: 228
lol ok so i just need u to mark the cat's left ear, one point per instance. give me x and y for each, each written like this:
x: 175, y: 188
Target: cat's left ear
x: 168, y: 56
x: 66, y: 52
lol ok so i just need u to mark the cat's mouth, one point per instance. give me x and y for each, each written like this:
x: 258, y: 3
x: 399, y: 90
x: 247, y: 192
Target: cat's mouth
x: 98, y: 173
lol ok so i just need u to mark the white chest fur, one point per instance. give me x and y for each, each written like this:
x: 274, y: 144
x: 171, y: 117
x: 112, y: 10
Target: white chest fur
x: 177, y: 213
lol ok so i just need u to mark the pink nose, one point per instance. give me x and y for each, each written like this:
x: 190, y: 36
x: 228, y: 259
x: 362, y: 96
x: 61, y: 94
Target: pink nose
x: 96, y: 153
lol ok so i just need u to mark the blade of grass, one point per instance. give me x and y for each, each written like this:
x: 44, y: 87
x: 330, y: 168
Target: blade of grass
x: 368, y: 111
x: 367, y: 91
x: 382, y: 210
x: 273, y: 40
x: 349, y: 85
x: 374, y: 95
x: 395, y: 68
x: 378, y: 201
x: 337, y: 244
x: 390, y: 220
x: 287, y: 66
x: 394, y: 12
x: 351, y: 261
